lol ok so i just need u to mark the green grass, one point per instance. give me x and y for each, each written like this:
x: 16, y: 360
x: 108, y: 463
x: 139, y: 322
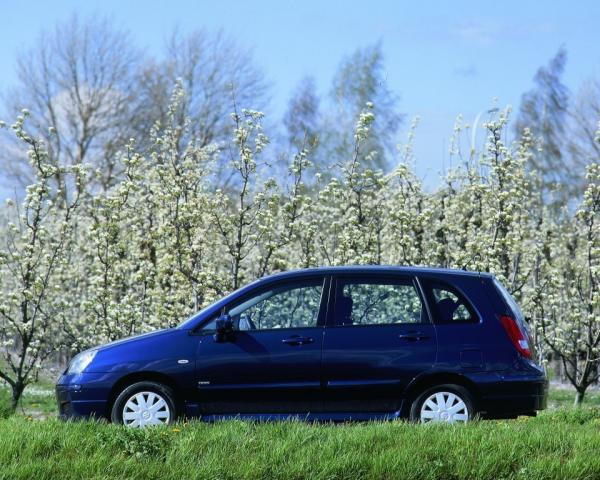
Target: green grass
x: 38, y: 401
x: 5, y: 410
x: 565, y: 397
x: 559, y: 444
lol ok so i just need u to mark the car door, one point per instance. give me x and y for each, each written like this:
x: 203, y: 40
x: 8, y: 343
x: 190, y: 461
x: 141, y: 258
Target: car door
x: 271, y: 363
x: 378, y: 338
x: 459, y: 324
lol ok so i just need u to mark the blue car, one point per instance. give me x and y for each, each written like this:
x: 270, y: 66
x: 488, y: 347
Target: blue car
x: 335, y: 344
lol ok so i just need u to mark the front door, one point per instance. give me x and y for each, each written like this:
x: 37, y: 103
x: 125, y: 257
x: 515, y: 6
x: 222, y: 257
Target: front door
x: 272, y: 361
x: 379, y: 338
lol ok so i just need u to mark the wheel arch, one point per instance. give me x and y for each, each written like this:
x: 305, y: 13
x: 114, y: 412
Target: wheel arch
x: 422, y: 383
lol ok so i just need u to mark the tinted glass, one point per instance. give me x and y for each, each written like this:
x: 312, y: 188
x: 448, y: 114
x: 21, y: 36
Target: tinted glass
x: 291, y: 306
x: 509, y: 299
x: 370, y: 303
x: 449, y: 305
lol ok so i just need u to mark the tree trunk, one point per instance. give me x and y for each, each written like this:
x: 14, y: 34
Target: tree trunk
x: 17, y: 391
x: 579, y: 397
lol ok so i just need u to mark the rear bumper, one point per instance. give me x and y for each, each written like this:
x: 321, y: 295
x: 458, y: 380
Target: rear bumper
x: 515, y: 395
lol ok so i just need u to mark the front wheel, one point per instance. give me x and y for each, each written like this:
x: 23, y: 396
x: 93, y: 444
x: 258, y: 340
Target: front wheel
x: 144, y: 404
x: 443, y: 403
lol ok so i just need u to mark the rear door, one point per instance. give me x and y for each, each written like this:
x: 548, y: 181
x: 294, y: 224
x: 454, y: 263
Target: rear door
x: 378, y: 338
x: 463, y: 336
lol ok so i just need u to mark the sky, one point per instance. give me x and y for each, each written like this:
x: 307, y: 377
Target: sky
x: 442, y: 58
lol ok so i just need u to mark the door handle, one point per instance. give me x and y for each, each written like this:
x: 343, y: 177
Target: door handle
x: 413, y: 336
x: 297, y: 340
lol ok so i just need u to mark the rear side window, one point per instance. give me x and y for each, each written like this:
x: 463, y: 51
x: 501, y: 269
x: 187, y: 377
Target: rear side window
x: 376, y: 302
x: 448, y: 305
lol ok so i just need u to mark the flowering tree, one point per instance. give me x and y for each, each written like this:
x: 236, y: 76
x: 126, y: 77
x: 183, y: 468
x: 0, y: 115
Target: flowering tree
x: 163, y: 241
x: 570, y: 308
x: 281, y: 220
x: 32, y: 253
x: 408, y: 212
x: 482, y: 216
x: 148, y: 240
x: 175, y: 195
x: 237, y: 215
x: 350, y: 208
x: 117, y: 296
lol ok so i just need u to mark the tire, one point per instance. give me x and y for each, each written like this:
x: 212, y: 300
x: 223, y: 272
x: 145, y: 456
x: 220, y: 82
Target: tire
x: 144, y: 404
x: 457, y: 405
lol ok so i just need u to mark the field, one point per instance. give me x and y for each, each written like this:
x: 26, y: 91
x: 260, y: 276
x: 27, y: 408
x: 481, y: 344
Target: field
x: 560, y: 443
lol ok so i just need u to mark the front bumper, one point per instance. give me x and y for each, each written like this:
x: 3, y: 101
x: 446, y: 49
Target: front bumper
x: 83, y: 395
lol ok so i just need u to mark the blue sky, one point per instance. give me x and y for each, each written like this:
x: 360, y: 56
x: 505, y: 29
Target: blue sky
x: 443, y: 58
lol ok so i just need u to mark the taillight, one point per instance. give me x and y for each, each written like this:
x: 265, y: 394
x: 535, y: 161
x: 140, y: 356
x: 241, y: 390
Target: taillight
x: 516, y: 335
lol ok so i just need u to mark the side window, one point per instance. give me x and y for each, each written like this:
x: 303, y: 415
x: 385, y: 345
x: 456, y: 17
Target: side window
x: 377, y: 303
x: 211, y: 326
x: 449, y: 306
x: 288, y: 306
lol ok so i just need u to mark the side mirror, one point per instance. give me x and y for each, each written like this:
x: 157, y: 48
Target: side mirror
x: 224, y: 328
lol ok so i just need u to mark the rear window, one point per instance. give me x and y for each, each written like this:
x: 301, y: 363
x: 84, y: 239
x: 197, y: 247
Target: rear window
x: 510, y: 301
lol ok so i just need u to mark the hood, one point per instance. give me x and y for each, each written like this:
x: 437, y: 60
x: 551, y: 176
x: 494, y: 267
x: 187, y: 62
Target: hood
x: 142, y: 352
x: 135, y: 338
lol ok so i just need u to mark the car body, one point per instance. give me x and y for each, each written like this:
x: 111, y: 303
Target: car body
x: 332, y: 343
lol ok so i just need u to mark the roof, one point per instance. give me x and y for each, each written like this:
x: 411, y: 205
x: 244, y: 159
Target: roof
x: 382, y: 269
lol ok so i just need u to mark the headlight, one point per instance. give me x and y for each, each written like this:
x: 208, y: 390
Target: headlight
x: 81, y: 361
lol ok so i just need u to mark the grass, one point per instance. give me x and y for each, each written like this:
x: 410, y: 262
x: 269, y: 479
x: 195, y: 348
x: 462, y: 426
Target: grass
x: 559, y: 443
x: 564, y: 397
x: 38, y: 401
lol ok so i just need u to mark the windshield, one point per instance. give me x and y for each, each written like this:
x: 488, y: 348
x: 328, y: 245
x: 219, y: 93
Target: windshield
x: 251, y: 302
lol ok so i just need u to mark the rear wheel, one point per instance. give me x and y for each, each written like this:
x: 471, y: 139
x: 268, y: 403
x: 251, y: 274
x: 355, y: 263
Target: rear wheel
x: 443, y: 403
x: 145, y: 404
